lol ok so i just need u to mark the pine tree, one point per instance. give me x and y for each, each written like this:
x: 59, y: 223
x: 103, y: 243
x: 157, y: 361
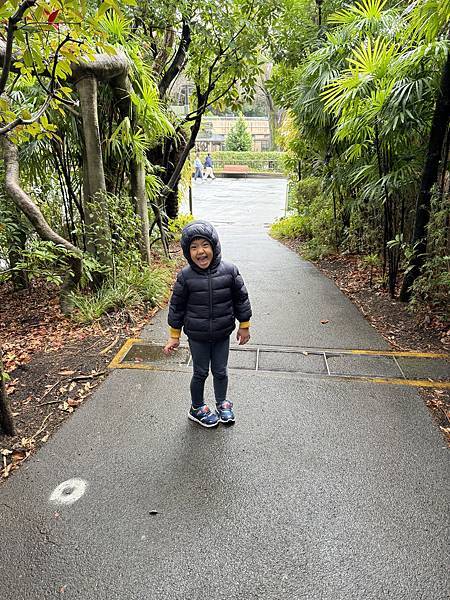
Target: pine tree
x: 239, y: 139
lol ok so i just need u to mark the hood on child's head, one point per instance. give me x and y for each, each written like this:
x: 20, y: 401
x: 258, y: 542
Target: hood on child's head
x: 200, y: 229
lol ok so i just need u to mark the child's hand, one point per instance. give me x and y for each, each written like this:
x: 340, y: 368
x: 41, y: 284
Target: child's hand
x: 172, y: 344
x: 242, y: 336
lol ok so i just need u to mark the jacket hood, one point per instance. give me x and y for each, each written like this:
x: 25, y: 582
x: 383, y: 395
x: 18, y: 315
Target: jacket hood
x: 201, y: 229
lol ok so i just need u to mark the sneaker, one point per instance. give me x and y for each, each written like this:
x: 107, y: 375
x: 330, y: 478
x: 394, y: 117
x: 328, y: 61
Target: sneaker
x: 225, y: 412
x: 203, y: 416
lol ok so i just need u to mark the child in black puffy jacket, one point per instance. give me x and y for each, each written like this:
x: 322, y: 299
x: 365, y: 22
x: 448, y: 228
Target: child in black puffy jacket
x: 208, y: 297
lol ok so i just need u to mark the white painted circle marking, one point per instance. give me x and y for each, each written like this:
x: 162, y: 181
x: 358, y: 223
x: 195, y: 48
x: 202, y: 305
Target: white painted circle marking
x: 68, y: 492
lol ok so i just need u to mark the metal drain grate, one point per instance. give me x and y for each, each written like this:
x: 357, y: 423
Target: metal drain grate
x: 407, y: 368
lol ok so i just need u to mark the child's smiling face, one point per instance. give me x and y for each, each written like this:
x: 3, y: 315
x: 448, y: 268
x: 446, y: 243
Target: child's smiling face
x: 201, y: 252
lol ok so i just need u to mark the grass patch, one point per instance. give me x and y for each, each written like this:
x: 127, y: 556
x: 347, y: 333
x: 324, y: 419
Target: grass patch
x: 137, y: 286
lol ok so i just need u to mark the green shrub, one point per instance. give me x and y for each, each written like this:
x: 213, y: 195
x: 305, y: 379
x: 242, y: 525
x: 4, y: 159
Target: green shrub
x: 133, y: 287
x: 258, y: 162
x: 433, y: 286
x: 45, y: 260
x: 314, y: 249
x: 303, y: 194
x: 314, y: 223
x: 289, y: 228
x: 176, y: 225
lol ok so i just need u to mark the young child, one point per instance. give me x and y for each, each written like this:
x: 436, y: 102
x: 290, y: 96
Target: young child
x: 208, y: 296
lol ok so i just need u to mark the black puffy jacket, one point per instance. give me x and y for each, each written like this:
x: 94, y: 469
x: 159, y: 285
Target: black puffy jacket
x: 207, y: 302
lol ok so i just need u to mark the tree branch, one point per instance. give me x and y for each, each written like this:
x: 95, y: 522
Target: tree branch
x: 37, y: 219
x: 192, y: 116
x: 177, y: 64
x: 24, y: 202
x: 35, y: 117
x: 10, y: 30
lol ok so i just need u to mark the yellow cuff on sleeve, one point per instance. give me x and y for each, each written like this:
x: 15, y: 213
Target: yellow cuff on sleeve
x: 174, y: 333
x: 244, y: 325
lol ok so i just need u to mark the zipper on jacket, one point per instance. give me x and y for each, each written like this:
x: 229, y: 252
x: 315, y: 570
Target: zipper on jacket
x: 210, y: 304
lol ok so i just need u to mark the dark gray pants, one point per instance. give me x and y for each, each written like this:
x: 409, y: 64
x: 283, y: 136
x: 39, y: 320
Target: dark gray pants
x: 204, y: 354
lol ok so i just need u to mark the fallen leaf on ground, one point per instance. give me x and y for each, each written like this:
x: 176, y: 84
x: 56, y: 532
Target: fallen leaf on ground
x: 18, y: 455
x: 72, y: 402
x: 325, y: 321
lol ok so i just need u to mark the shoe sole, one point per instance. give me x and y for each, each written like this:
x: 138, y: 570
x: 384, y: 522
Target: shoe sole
x: 227, y: 421
x: 192, y: 418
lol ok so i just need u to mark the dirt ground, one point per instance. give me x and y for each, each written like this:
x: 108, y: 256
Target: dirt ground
x: 55, y: 364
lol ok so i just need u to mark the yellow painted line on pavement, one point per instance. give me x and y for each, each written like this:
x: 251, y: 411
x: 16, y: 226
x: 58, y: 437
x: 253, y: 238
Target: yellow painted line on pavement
x: 116, y: 361
x: 393, y: 353
x: 397, y: 381
x: 147, y: 367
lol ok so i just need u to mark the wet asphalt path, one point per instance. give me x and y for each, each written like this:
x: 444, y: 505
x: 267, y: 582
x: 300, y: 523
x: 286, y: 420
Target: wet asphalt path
x: 323, y: 490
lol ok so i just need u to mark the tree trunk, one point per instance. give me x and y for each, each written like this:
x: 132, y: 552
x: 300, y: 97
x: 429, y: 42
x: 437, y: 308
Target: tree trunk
x: 121, y: 88
x: 176, y: 151
x: 138, y: 191
x: 95, y: 208
x: 16, y: 247
x: 430, y: 172
x: 36, y: 218
x: 274, y: 120
x: 6, y: 418
x: 175, y: 175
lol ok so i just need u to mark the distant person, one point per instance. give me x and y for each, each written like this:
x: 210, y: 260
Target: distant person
x: 209, y: 167
x: 208, y: 296
x: 198, y: 168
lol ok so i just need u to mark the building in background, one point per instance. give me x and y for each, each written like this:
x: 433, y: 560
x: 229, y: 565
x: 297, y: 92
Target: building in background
x: 214, y: 131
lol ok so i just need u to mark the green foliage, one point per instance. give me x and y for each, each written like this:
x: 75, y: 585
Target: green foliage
x: 314, y: 215
x: 176, y: 225
x: 433, y: 287
x: 360, y: 93
x: 135, y: 286
x: 313, y: 225
x: 239, y: 139
x: 289, y: 228
x: 44, y: 260
x: 41, y: 47
x: 300, y: 227
x: 13, y: 227
x: 227, y: 39
x: 372, y: 260
x: 304, y: 192
x: 258, y: 162
x: 314, y: 249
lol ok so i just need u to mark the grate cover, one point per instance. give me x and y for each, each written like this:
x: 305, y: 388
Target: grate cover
x: 408, y: 368
x: 145, y: 354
